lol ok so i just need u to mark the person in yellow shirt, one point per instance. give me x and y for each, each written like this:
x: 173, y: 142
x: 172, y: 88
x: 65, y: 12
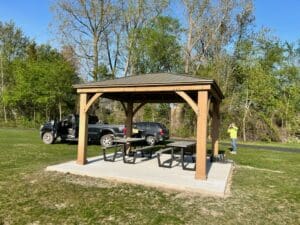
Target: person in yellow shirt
x: 232, y: 130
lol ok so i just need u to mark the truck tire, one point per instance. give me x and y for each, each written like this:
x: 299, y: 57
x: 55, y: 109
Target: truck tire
x: 106, y: 140
x: 48, y: 138
x: 150, y: 140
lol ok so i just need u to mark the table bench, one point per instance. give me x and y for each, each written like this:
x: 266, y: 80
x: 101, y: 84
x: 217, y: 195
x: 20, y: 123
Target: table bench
x: 133, y: 152
x: 186, y: 148
x: 168, y: 161
x: 118, y: 148
x: 142, y: 150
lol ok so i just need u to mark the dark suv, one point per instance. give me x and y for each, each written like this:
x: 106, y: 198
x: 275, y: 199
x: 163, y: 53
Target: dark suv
x: 153, y: 132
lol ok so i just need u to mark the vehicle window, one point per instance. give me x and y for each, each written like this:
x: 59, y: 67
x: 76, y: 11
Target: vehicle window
x: 149, y: 127
x: 70, y: 119
x: 163, y: 126
x: 157, y: 126
x: 141, y: 126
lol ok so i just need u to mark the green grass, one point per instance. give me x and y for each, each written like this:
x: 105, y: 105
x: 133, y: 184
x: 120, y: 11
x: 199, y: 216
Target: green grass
x: 271, y: 144
x: 265, y: 190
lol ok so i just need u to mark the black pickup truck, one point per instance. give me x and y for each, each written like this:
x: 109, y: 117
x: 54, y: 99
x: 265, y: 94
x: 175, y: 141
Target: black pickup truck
x: 67, y: 130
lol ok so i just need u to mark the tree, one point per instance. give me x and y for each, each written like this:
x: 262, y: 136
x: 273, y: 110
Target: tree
x: 263, y: 76
x: 83, y: 24
x: 135, y: 15
x: 42, y: 83
x: 12, y: 45
x: 157, y: 48
x: 211, y: 27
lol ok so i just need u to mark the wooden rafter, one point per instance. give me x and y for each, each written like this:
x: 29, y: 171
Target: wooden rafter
x: 91, y: 101
x: 189, y: 100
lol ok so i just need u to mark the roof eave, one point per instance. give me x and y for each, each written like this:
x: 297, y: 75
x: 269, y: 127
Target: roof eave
x: 82, y: 86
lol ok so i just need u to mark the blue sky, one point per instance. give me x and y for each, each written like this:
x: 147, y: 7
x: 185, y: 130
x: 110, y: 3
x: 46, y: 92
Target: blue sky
x: 34, y: 16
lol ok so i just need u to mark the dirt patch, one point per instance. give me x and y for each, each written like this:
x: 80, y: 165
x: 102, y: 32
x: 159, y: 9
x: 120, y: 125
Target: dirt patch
x: 24, y: 145
x: 261, y: 169
x: 90, y: 182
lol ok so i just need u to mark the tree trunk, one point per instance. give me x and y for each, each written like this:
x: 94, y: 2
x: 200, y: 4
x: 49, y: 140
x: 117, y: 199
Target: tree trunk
x: 109, y: 54
x: 286, y: 113
x: 2, y: 90
x: 46, y: 113
x: 246, y: 110
x: 244, y: 127
x: 129, y: 116
x: 96, y: 57
x: 60, y: 110
x: 34, y: 115
x: 176, y: 122
x: 188, y: 47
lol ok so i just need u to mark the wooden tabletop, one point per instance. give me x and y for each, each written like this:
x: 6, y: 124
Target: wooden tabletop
x: 128, y: 140
x: 182, y: 144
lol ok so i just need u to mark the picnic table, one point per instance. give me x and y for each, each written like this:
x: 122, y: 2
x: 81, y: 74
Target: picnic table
x: 186, y: 148
x: 126, y: 141
x: 124, y: 145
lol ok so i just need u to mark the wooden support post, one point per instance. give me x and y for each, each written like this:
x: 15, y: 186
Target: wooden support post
x: 83, y: 132
x: 129, y: 117
x: 215, y: 128
x: 201, y: 135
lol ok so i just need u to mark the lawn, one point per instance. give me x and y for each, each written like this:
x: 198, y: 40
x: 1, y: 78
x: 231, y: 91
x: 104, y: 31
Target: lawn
x: 265, y: 190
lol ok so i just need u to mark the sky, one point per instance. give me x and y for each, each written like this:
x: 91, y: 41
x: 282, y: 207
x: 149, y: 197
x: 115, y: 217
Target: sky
x: 34, y: 17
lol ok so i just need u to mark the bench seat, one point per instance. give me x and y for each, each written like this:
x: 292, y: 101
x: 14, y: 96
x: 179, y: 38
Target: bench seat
x: 143, y: 150
x: 117, y: 148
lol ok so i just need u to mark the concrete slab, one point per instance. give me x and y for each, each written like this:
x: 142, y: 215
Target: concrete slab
x: 146, y: 172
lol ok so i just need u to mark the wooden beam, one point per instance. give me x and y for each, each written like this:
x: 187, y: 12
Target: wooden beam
x: 143, y: 100
x: 201, y: 135
x: 144, y: 89
x: 82, y: 139
x: 215, y: 126
x: 92, y: 100
x: 138, y: 108
x: 189, y: 100
x: 215, y: 94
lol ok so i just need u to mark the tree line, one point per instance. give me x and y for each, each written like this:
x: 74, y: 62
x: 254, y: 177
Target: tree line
x: 105, y: 39
x: 36, y: 80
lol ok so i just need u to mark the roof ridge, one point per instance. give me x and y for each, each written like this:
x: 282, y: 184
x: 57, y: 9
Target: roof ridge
x: 164, y: 73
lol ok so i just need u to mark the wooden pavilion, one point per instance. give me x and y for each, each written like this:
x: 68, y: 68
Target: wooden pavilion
x: 203, y: 96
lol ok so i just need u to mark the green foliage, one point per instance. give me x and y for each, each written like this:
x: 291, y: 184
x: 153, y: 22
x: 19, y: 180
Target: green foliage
x: 103, y: 73
x: 259, y: 82
x: 148, y: 113
x: 13, y: 43
x: 36, y: 80
x: 259, y: 75
x: 157, y: 47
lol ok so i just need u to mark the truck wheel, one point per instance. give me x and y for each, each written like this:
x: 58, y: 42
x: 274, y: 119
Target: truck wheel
x: 106, y: 140
x: 150, y: 140
x: 48, y: 138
